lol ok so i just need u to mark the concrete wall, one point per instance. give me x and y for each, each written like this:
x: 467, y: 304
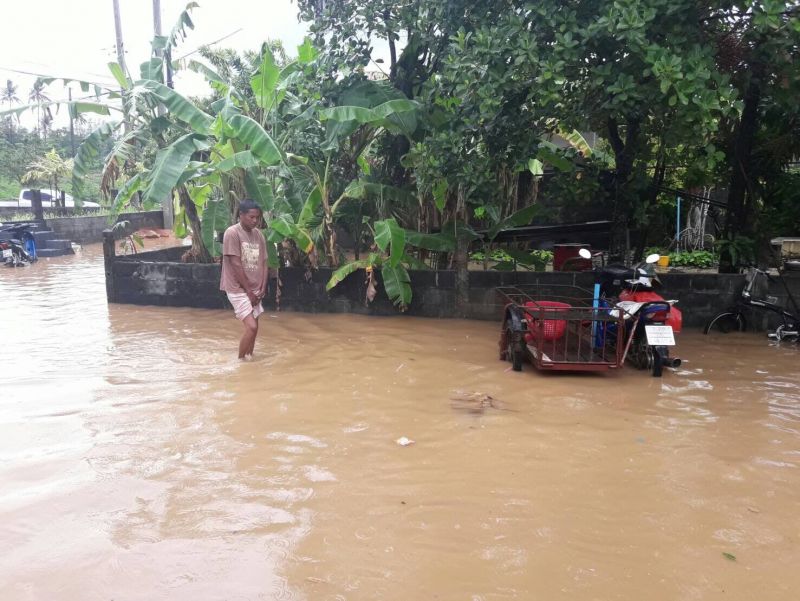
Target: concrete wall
x: 8, y: 212
x: 159, y: 278
x: 90, y: 229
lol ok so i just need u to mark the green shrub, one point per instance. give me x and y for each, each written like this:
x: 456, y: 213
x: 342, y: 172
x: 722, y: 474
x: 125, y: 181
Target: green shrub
x: 695, y: 258
x: 511, y: 258
x: 9, y: 189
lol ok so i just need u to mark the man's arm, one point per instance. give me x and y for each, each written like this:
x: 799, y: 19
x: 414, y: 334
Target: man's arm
x: 262, y: 290
x: 262, y: 257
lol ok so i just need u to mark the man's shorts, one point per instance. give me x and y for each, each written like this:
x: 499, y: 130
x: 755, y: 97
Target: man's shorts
x: 242, y: 307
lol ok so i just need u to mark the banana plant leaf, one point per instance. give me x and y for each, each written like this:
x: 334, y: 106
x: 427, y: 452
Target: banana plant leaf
x: 179, y: 226
x: 88, y: 151
x: 552, y: 154
x: 287, y: 228
x: 521, y: 217
x: 397, y: 284
x: 124, y: 195
x: 170, y: 163
x: 345, y: 270
x: 264, y: 82
x: 414, y: 263
x: 436, y: 242
x: 259, y: 190
x: 216, y: 218
x: 119, y: 75
x: 389, y: 235
x: 360, y: 190
x: 306, y: 53
x: 440, y: 194
x: 260, y: 142
x: 242, y: 160
x: 152, y: 69
x: 179, y: 107
x: 310, y: 207
x: 214, y: 79
x: 364, y: 116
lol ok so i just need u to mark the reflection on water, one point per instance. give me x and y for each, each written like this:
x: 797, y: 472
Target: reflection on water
x: 141, y: 460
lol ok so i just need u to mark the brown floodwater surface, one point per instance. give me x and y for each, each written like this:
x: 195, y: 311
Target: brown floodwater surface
x: 139, y: 460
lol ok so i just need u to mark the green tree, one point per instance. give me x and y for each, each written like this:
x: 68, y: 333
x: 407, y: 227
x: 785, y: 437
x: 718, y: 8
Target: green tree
x: 37, y: 95
x: 9, y: 97
x: 757, y: 43
x: 50, y: 169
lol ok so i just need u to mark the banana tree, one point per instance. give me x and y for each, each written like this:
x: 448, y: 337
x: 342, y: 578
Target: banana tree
x: 393, y: 261
x: 368, y: 110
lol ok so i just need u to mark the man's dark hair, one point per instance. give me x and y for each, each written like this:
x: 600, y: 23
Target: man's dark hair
x: 248, y: 205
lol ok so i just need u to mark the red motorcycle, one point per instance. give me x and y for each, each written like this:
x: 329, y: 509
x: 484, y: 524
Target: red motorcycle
x: 654, y: 320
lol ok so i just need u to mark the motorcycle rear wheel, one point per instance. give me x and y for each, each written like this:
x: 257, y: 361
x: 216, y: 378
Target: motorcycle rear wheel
x: 657, y: 365
x: 727, y: 321
x: 513, y: 350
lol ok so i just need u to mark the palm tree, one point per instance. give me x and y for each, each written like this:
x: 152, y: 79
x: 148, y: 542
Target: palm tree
x: 38, y: 96
x: 47, y: 122
x: 8, y: 96
x: 50, y: 169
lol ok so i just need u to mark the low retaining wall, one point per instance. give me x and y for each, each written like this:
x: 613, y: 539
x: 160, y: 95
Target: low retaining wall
x: 90, y: 229
x: 159, y: 278
x: 8, y: 212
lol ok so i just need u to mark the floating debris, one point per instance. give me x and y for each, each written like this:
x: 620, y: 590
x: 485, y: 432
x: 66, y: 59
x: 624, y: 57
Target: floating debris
x: 476, y: 402
x: 404, y: 442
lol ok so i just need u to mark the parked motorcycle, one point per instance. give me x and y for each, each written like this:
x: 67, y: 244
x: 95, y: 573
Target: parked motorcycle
x: 655, y: 320
x: 17, y: 244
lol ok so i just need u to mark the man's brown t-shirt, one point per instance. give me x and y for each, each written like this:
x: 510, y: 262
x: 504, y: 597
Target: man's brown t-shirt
x: 252, y: 249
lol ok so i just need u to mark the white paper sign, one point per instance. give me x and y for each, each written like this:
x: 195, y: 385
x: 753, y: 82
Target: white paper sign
x: 7, y: 253
x: 660, y: 335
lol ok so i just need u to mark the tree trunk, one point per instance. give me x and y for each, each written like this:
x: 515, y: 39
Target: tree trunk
x: 741, y: 168
x: 461, y: 258
x: 199, y: 249
x: 460, y: 262
x: 659, y: 172
x: 624, y: 153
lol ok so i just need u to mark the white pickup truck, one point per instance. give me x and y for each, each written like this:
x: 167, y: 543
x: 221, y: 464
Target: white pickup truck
x: 49, y: 200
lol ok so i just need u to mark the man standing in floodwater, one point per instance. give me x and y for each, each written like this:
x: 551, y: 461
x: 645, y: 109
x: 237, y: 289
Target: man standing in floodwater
x: 244, y: 272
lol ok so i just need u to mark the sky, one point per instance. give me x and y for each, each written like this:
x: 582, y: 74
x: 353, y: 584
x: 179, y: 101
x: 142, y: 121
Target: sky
x: 75, y: 38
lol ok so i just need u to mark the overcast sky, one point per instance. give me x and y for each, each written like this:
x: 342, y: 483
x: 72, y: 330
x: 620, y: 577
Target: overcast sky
x: 75, y: 38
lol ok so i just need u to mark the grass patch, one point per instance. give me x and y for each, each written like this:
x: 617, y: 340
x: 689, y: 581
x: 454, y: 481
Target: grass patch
x: 9, y: 189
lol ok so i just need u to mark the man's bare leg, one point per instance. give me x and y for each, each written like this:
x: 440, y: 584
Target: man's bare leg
x: 253, y: 343
x: 248, y: 340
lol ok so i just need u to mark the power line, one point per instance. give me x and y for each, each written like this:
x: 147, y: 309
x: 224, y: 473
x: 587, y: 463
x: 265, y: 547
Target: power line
x: 225, y: 37
x: 49, y: 76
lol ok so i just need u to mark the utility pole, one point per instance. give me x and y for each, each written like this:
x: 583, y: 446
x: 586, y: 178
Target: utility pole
x: 166, y: 203
x: 71, y: 122
x: 157, y: 17
x: 166, y: 55
x: 118, y: 31
x: 121, y: 59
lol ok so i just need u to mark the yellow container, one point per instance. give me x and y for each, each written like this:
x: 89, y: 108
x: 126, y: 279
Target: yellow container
x: 663, y: 261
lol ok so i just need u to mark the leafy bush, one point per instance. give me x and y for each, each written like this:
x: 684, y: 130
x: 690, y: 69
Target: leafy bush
x: 695, y: 258
x: 740, y: 249
x: 511, y: 258
x: 9, y: 189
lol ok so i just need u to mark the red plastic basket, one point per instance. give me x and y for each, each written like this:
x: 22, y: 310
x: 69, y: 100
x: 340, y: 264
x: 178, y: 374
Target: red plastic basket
x: 547, y: 329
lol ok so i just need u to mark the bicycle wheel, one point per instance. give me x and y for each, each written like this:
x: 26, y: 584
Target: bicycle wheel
x: 727, y: 321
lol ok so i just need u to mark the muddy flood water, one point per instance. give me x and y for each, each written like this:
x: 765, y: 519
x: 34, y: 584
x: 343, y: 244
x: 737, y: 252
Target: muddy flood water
x: 139, y: 460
